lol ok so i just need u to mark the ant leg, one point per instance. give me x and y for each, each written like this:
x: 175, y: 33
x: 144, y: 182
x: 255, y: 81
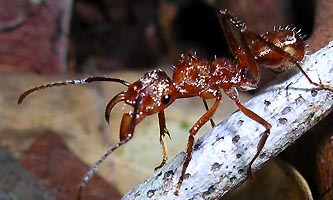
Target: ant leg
x: 206, y: 107
x: 232, y: 93
x: 193, y: 131
x: 163, y: 131
x: 263, y: 138
x: 288, y: 58
x: 71, y: 82
x: 188, y: 157
x: 319, y: 85
x: 240, y: 49
x: 225, y: 17
x: 242, y: 52
x: 128, y: 123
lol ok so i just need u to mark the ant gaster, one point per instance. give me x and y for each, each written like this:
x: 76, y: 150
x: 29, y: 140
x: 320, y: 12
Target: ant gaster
x: 194, y: 76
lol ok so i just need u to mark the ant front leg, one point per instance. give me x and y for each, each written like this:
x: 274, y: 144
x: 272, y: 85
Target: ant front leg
x: 193, y: 131
x: 163, y: 131
x: 233, y: 94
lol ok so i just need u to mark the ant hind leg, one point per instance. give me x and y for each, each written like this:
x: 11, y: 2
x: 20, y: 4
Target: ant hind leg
x: 232, y: 93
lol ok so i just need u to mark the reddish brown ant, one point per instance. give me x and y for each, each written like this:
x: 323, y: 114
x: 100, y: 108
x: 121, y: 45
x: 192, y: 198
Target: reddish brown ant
x: 194, y: 76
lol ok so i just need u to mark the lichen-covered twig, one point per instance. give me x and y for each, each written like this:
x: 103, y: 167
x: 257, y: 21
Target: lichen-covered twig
x: 220, y: 157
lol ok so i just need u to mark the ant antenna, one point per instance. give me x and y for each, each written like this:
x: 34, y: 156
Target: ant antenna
x: 71, y: 82
x: 94, y: 168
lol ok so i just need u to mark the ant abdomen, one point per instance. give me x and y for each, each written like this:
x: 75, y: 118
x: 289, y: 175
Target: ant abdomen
x: 277, y: 49
x: 289, y: 41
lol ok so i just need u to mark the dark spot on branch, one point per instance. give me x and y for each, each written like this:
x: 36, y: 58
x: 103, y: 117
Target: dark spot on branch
x: 238, y: 155
x: 232, y: 179
x: 240, y: 122
x: 168, y: 175
x: 267, y: 103
x: 283, y: 121
x: 210, y: 190
x: 262, y: 155
x: 197, y: 145
x: 300, y: 100
x: 235, y: 139
x: 314, y: 93
x: 151, y: 193
x: 218, y: 138
x: 187, y: 175
x: 286, y: 110
x: 240, y: 171
x: 311, y: 115
x: 216, y: 166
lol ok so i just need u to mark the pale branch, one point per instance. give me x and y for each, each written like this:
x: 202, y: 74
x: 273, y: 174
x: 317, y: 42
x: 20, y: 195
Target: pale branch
x: 220, y: 157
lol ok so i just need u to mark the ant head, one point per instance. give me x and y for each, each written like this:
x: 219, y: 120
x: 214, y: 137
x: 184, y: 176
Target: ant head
x: 155, y: 91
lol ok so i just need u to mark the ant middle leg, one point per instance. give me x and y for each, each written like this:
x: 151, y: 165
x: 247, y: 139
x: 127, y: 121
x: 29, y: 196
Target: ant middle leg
x: 206, y: 107
x: 193, y: 131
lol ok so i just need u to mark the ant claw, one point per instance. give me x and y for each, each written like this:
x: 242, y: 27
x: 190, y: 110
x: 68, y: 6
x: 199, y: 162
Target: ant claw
x: 250, y: 173
x: 326, y: 87
x: 160, y: 166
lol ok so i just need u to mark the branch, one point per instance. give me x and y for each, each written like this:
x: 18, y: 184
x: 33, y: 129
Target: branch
x: 221, y: 156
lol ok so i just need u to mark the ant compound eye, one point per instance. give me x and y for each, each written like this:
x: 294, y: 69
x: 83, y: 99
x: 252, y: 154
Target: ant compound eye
x: 166, y: 99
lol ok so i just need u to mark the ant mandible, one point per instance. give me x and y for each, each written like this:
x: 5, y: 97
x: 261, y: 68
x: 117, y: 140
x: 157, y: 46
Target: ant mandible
x: 194, y: 76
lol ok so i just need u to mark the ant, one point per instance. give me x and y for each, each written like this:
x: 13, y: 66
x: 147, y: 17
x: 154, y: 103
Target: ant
x: 194, y: 76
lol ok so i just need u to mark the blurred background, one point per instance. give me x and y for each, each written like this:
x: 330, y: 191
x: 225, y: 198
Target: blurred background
x: 48, y: 142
